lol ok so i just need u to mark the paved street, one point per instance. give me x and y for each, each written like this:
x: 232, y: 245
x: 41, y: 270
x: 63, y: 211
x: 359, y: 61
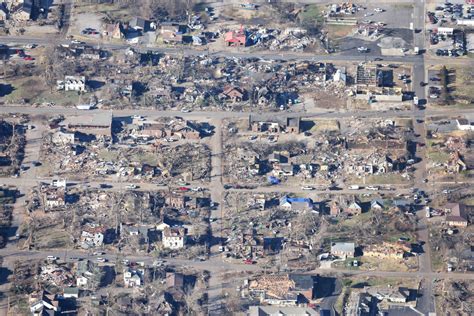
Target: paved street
x: 216, y: 265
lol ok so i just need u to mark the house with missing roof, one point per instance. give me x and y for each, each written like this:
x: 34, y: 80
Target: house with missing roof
x: 275, y: 125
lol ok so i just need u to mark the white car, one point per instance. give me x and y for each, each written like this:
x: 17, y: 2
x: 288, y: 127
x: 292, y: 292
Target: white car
x: 307, y: 188
x: 52, y: 258
x: 131, y: 186
x: 272, y: 139
x: 363, y: 49
x: 100, y: 259
x: 379, y: 10
x: 185, y: 110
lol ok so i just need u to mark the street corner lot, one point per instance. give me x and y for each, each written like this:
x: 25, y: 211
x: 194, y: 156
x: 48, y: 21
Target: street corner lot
x: 86, y: 20
x: 396, y: 31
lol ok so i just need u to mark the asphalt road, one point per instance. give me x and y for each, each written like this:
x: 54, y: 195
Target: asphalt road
x: 215, y: 264
x: 56, y: 110
x: 187, y: 51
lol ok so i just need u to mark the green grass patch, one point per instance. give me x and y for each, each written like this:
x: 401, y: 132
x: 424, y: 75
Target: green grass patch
x: 338, y: 31
x: 386, y: 179
x: 35, y: 90
x: 312, y: 12
x: 49, y: 239
x: 108, y: 155
x: 469, y: 201
x: 146, y: 158
x: 438, y: 156
x: 341, y: 300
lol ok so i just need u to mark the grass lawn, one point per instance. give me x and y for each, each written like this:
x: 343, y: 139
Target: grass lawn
x: 341, y: 300
x: 438, y: 156
x: 379, y: 281
x: 312, y: 14
x: 145, y: 158
x: 338, y: 31
x: 108, y: 155
x: 469, y: 201
x: 48, y: 238
x: 386, y: 179
x: 36, y: 91
x: 325, y: 125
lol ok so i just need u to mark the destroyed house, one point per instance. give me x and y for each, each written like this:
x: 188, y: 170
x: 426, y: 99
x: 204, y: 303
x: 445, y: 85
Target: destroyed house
x: 176, y: 201
x: 235, y: 38
x: 92, y: 236
x: 53, y: 198
x: 387, y: 250
x: 354, y: 208
x: 275, y: 125
x: 366, y: 76
x: 188, y: 131
x: 23, y: 11
x: 250, y: 245
x: 132, y: 278
x: 233, y: 93
x: 393, y: 295
x: 171, y: 33
x: 154, y: 130
x: 285, y: 287
x: 263, y: 310
x: 174, y: 237
x: 82, y: 51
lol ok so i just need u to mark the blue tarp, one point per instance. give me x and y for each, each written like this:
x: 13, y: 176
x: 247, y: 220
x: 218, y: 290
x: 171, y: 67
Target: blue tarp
x: 273, y: 180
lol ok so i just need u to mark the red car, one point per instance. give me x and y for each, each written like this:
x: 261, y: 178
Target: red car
x: 248, y: 261
x: 183, y: 189
x: 28, y: 58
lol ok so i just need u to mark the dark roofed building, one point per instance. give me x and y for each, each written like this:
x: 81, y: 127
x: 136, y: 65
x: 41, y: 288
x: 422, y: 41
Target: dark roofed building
x: 140, y: 24
x: 304, y: 284
x: 456, y: 215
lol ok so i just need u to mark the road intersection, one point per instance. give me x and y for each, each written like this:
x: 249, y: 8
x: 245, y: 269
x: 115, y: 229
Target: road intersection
x: 216, y: 265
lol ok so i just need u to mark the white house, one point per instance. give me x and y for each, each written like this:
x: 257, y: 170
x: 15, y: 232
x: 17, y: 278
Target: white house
x: 71, y: 292
x: 174, y: 237
x: 92, y: 236
x: 445, y: 30
x: 464, y: 124
x: 72, y: 83
x: 131, y: 278
x: 82, y: 281
x: 465, y: 22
